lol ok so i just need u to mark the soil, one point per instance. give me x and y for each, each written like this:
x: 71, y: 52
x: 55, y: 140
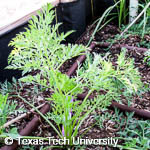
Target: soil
x: 109, y: 130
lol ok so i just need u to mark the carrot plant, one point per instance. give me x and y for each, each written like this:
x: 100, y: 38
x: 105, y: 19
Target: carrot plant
x: 40, y: 48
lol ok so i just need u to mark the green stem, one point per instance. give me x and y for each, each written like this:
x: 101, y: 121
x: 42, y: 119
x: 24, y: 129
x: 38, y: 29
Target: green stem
x: 41, y: 115
x: 130, y: 25
x: 105, y: 14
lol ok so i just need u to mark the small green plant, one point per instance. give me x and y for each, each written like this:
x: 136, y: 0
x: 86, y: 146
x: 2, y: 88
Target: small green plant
x: 3, y: 113
x: 5, y: 110
x: 136, y: 135
x: 100, y: 119
x: 117, y: 118
x: 147, y: 57
x: 5, y: 87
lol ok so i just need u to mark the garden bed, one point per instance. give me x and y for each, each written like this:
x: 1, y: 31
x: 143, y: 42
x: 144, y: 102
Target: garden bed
x: 101, y: 123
